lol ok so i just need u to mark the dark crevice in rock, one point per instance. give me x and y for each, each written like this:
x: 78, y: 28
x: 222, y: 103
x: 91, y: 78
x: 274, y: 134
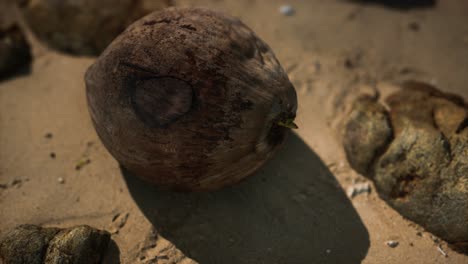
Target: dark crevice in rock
x: 462, y: 126
x: 383, y: 149
x: 405, y: 186
x: 189, y: 27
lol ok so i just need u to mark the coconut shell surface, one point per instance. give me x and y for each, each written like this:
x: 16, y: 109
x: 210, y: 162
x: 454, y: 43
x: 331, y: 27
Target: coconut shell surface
x: 190, y: 98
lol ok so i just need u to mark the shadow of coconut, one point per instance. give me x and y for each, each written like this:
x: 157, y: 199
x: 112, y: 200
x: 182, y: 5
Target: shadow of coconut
x: 292, y: 211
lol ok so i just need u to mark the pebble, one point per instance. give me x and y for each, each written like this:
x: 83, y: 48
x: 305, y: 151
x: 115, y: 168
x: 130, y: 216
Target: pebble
x: 16, y: 183
x: 392, y: 243
x: 357, y: 189
x: 414, y: 26
x: 61, y: 180
x: 286, y: 10
x: 439, y: 248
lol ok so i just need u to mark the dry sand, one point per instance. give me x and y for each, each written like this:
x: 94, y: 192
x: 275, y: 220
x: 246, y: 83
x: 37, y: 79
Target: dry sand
x: 295, y: 209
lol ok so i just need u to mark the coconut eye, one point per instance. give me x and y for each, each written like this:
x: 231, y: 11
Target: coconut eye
x: 159, y: 101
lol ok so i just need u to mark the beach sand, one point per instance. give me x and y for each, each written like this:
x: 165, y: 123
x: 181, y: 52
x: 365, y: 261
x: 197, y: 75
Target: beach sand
x: 295, y: 209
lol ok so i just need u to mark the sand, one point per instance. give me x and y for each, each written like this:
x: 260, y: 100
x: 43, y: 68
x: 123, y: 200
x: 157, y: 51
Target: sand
x: 295, y: 209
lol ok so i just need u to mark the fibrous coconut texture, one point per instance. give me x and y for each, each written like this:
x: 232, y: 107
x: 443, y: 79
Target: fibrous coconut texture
x: 416, y: 152
x: 84, y: 27
x: 191, y: 99
x: 36, y: 245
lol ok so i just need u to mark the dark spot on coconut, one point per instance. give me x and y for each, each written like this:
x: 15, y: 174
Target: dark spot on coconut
x: 162, y: 100
x: 247, y: 49
x: 239, y: 104
x: 190, y: 57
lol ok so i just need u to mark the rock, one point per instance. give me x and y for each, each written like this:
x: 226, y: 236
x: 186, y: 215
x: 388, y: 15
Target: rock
x: 357, y: 189
x: 392, y: 243
x: 367, y: 133
x: 14, y: 49
x: 422, y: 170
x: 33, y: 244
x: 84, y: 27
x: 287, y: 10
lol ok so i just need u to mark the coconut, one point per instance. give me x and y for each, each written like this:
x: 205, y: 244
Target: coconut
x: 191, y: 99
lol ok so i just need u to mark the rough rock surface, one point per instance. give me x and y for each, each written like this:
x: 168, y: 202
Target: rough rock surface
x: 84, y: 27
x: 417, y: 155
x: 35, y: 245
x: 14, y: 49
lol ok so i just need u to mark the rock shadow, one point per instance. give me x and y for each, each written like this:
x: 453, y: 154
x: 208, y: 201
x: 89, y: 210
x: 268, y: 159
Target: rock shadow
x: 112, y: 255
x: 291, y: 211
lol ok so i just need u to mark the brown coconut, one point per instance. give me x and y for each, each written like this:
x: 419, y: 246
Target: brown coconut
x: 191, y: 99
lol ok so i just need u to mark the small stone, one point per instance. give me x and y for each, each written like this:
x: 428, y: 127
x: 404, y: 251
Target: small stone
x: 392, y: 243
x: 61, y: 180
x: 287, y: 10
x: 439, y: 248
x: 52, y: 155
x: 318, y: 66
x: 414, y: 26
x: 328, y: 251
x: 348, y: 63
x: 118, y: 222
x: 48, y: 135
x: 357, y: 189
x: 16, y: 183
x: 81, y: 163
